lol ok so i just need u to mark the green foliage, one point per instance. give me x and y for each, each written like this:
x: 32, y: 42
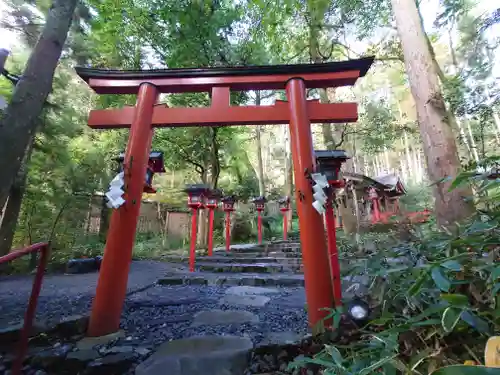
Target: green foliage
x: 417, y: 198
x: 380, y: 129
x: 436, y: 301
x: 466, y: 370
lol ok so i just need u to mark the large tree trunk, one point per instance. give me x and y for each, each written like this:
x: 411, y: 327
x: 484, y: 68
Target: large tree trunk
x: 316, y: 13
x: 439, y: 143
x: 11, y: 215
x: 452, y: 119
x: 19, y: 123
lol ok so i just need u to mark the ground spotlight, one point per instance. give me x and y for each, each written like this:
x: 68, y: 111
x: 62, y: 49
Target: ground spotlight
x: 359, y: 311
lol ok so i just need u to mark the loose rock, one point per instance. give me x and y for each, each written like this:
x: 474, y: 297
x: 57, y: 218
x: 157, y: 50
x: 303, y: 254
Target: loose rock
x: 77, y: 361
x: 51, y: 358
x: 201, y: 355
x: 256, y: 301
x: 91, y: 342
x: 111, y: 364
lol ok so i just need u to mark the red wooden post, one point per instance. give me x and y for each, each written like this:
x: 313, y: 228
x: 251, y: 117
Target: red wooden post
x: 285, y: 225
x: 228, y: 230
x: 211, y: 214
x: 332, y: 252
x: 318, y: 284
x: 259, y: 226
x: 192, y: 249
x: 113, y: 275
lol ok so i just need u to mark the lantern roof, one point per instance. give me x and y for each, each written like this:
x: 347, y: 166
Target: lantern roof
x: 229, y: 199
x: 330, y: 154
x: 155, y: 161
x: 214, y: 193
x: 259, y: 199
x: 283, y: 200
x: 197, y: 189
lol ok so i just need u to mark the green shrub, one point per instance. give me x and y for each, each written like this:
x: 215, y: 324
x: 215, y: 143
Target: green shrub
x: 436, y: 300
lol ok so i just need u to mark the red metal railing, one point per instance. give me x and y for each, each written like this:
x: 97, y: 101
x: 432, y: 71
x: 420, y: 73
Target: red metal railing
x: 35, y: 291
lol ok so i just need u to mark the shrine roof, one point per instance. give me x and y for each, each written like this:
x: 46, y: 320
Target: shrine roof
x: 390, y: 184
x: 362, y: 65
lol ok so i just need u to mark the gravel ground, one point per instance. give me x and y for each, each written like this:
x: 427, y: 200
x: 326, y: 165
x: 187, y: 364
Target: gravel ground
x: 152, y: 313
x: 166, y: 312
x: 64, y: 295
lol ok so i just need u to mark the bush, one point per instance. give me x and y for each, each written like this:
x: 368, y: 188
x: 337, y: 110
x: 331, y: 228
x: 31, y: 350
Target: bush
x: 435, y: 301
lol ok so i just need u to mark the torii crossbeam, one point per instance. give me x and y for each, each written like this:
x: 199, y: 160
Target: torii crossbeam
x: 147, y: 114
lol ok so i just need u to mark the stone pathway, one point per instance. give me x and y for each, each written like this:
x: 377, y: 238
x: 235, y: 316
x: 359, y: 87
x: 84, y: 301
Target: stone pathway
x: 251, y: 297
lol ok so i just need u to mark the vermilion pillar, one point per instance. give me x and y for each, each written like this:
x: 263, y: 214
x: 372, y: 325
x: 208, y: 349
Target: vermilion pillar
x: 312, y: 237
x: 285, y: 225
x: 333, y: 254
x: 211, y: 214
x: 113, y: 275
x: 192, y: 249
x: 259, y: 226
x: 228, y: 230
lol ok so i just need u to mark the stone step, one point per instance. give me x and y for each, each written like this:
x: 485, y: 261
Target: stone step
x: 229, y: 279
x: 239, y: 259
x: 245, y: 267
x: 281, y: 254
x: 258, y: 254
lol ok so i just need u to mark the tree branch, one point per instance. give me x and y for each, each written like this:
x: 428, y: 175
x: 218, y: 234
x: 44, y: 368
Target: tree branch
x: 342, y: 137
x: 197, y: 166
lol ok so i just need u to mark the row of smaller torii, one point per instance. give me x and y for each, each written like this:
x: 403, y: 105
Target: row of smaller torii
x: 202, y: 196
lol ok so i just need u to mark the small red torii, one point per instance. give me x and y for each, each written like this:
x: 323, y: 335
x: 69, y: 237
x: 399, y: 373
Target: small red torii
x: 147, y: 114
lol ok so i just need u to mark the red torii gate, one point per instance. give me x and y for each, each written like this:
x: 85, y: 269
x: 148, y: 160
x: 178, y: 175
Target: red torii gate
x: 147, y: 114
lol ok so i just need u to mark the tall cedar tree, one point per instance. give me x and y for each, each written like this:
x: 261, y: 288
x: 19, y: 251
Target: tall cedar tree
x: 438, y: 140
x: 19, y: 123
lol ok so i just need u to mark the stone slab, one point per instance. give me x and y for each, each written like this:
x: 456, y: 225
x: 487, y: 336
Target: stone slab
x: 223, y: 317
x: 249, y: 300
x: 282, y: 338
x: 240, y: 267
x: 288, y: 280
x: 250, y: 290
x: 200, y: 355
x: 88, y: 343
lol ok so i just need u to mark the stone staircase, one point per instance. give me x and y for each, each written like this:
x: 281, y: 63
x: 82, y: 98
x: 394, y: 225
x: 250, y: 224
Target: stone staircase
x: 270, y: 264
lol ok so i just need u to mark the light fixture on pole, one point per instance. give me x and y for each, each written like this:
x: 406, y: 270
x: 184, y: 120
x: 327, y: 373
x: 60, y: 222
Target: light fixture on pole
x: 260, y: 203
x: 196, y: 194
x: 155, y: 165
x: 211, y: 202
x: 285, y: 208
x: 228, y: 207
x: 328, y: 164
